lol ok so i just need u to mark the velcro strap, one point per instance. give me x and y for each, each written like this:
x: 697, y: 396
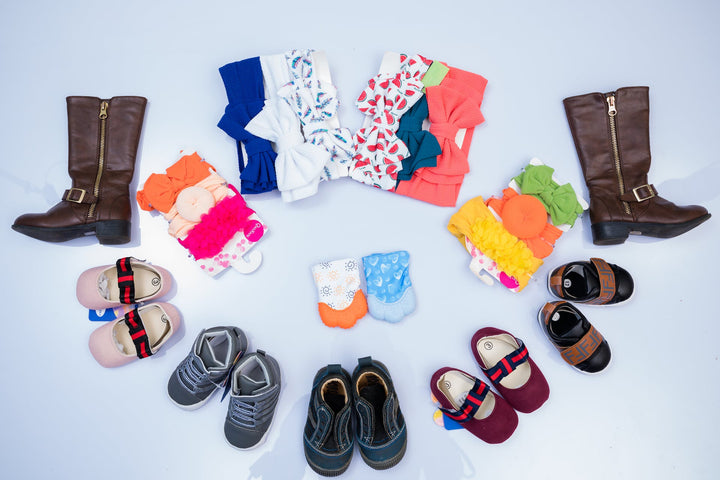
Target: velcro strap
x: 472, y: 403
x: 639, y: 194
x: 584, y: 348
x: 126, y: 280
x: 606, y: 278
x: 79, y: 195
x: 138, y: 333
x: 507, y: 364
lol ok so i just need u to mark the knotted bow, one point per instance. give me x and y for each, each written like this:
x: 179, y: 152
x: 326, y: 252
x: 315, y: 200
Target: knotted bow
x: 378, y: 150
x: 559, y: 200
x: 315, y: 103
x: 298, y: 164
x: 450, y: 110
x: 244, y: 85
x: 441, y: 185
x: 161, y: 189
x: 422, y: 145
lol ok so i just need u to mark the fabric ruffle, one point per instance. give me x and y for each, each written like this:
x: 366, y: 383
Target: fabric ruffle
x: 217, y: 227
x: 509, y: 252
x: 475, y: 222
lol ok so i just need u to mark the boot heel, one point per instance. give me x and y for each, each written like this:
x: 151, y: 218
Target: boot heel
x: 112, y: 232
x: 610, y: 233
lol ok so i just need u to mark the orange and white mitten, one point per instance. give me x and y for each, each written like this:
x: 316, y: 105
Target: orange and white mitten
x: 342, y: 303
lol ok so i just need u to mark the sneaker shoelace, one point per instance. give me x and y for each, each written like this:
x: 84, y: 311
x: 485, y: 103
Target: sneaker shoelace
x: 242, y: 412
x: 192, y: 377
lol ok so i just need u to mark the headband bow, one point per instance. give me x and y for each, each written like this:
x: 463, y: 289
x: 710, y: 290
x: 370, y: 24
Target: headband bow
x: 244, y: 85
x: 559, y: 200
x: 315, y: 103
x: 378, y: 150
x: 453, y: 105
x: 298, y: 164
x: 422, y: 145
x: 449, y: 111
x: 161, y: 189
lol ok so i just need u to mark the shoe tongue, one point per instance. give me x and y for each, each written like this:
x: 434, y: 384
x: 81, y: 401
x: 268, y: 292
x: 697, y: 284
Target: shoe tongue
x: 250, y: 377
x: 248, y: 385
x: 211, y: 353
x: 207, y: 355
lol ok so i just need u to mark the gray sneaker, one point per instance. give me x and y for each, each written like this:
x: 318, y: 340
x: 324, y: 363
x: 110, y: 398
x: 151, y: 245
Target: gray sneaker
x: 255, y: 387
x: 206, y: 367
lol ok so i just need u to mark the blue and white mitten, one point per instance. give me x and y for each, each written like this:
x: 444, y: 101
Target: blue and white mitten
x: 390, y: 295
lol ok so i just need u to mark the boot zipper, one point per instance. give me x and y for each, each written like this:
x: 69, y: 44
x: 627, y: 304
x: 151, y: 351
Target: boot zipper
x: 101, y: 155
x: 612, y: 111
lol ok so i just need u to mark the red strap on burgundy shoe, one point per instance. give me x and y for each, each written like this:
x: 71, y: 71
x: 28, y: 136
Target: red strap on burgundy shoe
x: 126, y: 280
x: 606, y: 278
x: 138, y: 333
x: 507, y: 364
x: 472, y: 403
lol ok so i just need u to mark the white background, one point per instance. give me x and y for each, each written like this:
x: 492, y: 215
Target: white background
x: 652, y: 414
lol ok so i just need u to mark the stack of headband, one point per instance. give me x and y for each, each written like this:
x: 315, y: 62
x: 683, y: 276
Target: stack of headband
x: 296, y: 111
x: 393, y: 152
x: 246, y: 98
x: 205, y: 214
x: 507, y: 237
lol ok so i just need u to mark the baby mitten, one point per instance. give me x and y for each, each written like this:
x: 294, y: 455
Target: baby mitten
x: 390, y: 293
x: 342, y: 303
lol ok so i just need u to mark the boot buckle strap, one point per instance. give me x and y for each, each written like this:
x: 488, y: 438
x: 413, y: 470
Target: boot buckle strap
x: 70, y: 195
x: 79, y: 195
x: 650, y: 189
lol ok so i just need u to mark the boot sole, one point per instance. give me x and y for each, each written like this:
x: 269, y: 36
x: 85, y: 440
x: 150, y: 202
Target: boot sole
x: 615, y: 233
x: 108, y: 232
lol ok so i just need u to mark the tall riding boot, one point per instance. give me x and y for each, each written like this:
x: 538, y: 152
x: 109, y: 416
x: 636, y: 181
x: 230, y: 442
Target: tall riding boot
x: 611, y: 133
x: 103, y: 143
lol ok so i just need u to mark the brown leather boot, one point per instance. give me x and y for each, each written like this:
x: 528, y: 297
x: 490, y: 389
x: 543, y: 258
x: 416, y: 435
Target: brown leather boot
x: 103, y: 142
x: 611, y: 133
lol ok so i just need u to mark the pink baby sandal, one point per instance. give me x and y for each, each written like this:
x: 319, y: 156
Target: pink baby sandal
x: 139, y: 334
x: 129, y: 281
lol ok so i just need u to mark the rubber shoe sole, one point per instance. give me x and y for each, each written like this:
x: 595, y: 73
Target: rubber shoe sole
x: 385, y: 464
x: 329, y: 473
x: 108, y: 232
x: 615, y: 233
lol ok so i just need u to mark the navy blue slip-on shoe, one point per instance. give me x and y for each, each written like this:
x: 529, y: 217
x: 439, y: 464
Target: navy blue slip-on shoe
x: 380, y: 428
x: 327, y: 437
